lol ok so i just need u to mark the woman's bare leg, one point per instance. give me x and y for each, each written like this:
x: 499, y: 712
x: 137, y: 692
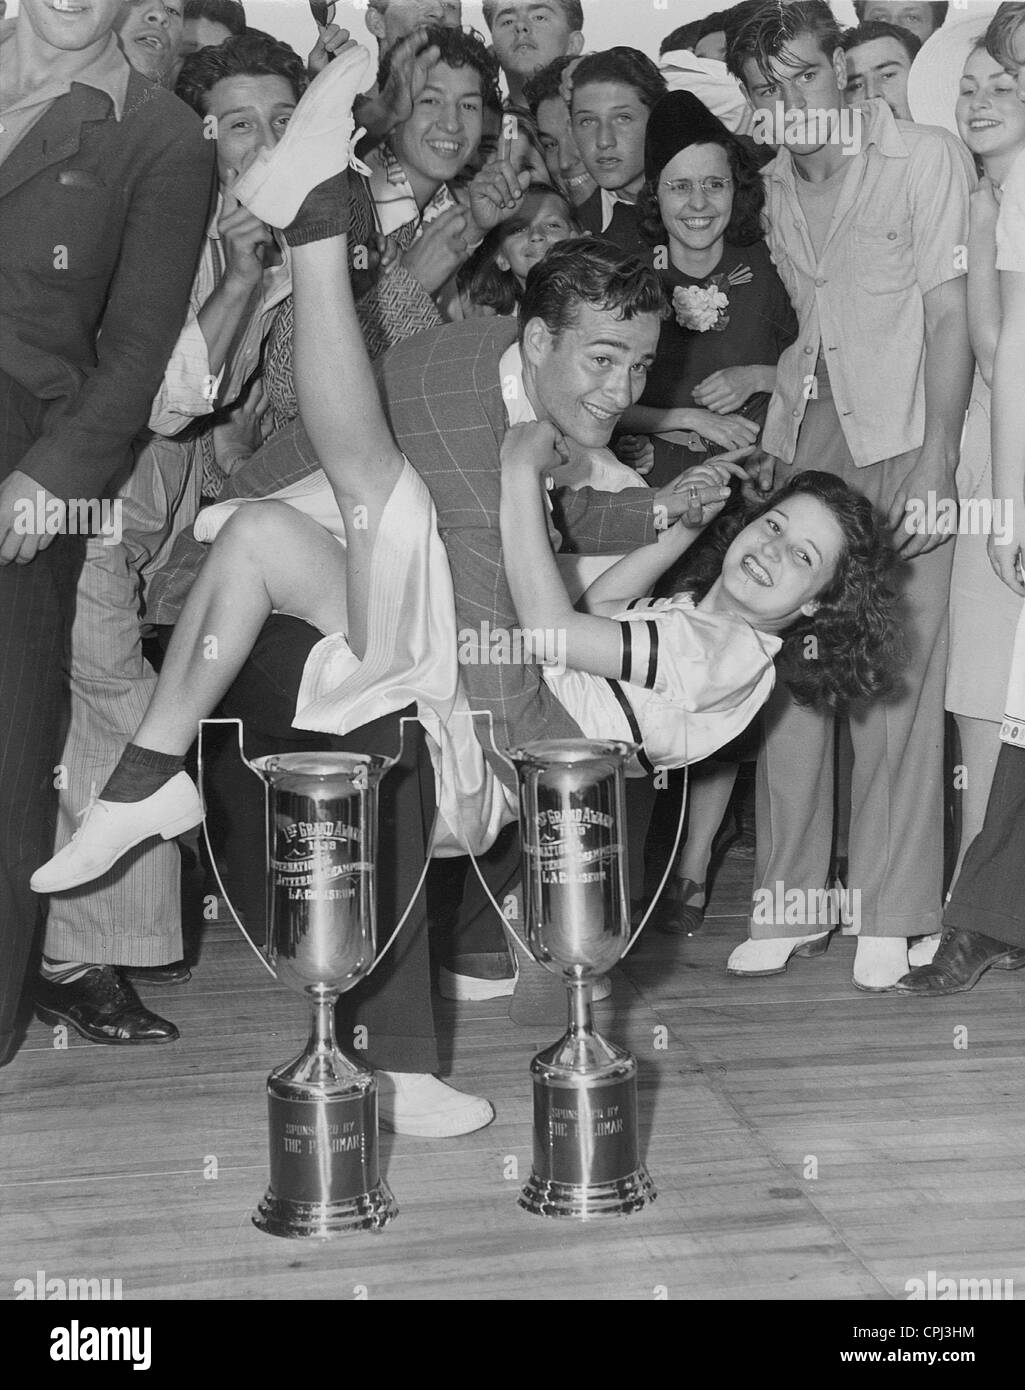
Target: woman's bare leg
x: 269, y: 558
x: 341, y: 409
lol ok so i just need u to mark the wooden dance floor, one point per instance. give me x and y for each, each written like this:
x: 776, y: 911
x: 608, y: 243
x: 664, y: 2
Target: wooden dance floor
x: 807, y: 1142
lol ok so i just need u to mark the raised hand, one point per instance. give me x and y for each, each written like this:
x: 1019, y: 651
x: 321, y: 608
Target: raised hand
x: 436, y: 255
x: 331, y: 38
x: 496, y: 192
x: 245, y: 239
x: 700, y: 493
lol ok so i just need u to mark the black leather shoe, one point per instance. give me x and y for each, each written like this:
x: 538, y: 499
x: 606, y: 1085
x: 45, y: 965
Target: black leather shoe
x: 102, y: 1007
x: 174, y: 974
x: 961, y: 959
x: 677, y: 914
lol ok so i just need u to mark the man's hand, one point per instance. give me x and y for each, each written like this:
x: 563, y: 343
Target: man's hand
x: 729, y: 432
x: 727, y: 390
x: 331, y: 38
x: 440, y: 251
x: 22, y: 504
x: 760, y: 476
x: 927, y: 490
x: 700, y: 493
x: 537, y: 448
x: 246, y: 240
x: 1008, y: 556
x: 496, y: 192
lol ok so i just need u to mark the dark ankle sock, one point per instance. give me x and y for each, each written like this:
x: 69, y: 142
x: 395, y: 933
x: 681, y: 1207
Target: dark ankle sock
x: 324, y: 212
x: 140, y: 773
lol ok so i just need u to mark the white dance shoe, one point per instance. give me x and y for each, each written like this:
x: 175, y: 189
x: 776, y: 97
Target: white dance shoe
x: 317, y: 143
x: 420, y: 1104
x: 879, y: 962
x: 772, y: 955
x: 110, y: 829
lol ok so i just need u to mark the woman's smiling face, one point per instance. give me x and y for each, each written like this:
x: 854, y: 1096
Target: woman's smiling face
x: 776, y: 567
x: 990, y: 116
x: 445, y: 128
x: 696, y: 218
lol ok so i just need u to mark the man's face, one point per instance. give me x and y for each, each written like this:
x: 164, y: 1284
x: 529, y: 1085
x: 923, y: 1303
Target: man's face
x: 251, y: 114
x: 609, y: 122
x: 812, y: 81
x: 203, y: 33
x: 585, y: 377
x: 565, y: 164
x: 151, y: 34
x: 916, y: 17
x: 528, y: 36
x: 72, y: 29
x: 444, y: 130
x: 879, y: 68
x: 401, y: 17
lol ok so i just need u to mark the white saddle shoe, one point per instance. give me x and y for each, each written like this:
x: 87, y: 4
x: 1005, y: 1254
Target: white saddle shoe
x: 316, y: 145
x: 772, y: 955
x: 879, y: 962
x: 420, y: 1104
x: 110, y: 829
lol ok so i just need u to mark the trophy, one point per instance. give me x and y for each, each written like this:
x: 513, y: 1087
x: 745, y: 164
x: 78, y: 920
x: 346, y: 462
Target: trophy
x: 321, y: 939
x: 576, y: 903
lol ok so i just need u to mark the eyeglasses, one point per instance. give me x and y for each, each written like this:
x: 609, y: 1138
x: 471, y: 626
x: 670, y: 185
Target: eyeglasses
x: 712, y: 187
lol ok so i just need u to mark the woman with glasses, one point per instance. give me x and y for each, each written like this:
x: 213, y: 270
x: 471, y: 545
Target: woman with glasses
x: 700, y: 208
x: 709, y: 388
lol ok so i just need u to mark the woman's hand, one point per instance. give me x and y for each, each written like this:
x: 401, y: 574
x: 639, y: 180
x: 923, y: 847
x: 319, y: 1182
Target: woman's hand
x: 536, y: 448
x: 706, y: 490
x: 1008, y: 557
x: 729, y: 431
x: 984, y: 205
x: 728, y: 389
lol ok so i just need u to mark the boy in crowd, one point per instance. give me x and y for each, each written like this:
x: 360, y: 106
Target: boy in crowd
x: 527, y: 35
x: 879, y: 58
x: 921, y: 17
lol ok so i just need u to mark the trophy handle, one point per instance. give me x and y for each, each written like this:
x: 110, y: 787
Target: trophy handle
x: 260, y: 955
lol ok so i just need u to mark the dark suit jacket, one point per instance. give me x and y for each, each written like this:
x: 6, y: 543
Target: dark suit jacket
x: 101, y: 223
x: 623, y: 231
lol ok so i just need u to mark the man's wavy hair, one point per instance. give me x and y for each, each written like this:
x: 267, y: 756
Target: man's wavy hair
x: 587, y: 270
x: 745, y: 225
x: 546, y: 84
x: 620, y: 64
x: 857, y: 651
x: 247, y: 55
x: 764, y: 35
x: 459, y: 48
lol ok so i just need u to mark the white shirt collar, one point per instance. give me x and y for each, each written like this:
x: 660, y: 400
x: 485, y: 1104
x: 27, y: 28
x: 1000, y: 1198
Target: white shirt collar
x: 609, y: 199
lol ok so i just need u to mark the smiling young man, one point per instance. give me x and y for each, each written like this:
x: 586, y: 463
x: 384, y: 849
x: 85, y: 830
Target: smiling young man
x: 527, y: 35
x: 104, y: 193
x: 151, y: 34
x: 563, y: 160
x: 879, y: 58
x: 865, y: 236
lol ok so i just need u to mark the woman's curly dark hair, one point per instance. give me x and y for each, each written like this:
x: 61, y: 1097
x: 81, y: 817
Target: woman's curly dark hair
x: 745, y: 224
x: 851, y: 648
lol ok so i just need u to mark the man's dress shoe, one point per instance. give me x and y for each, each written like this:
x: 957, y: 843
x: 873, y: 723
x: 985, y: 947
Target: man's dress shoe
x: 962, y: 958
x: 103, y: 1007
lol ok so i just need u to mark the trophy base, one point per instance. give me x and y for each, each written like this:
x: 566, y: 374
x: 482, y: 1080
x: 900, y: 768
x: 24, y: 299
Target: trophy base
x: 588, y: 1201
x: 368, y: 1211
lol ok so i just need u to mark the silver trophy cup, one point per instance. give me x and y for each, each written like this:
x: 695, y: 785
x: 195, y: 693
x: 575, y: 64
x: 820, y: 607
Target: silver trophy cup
x: 322, y: 920
x: 576, y: 902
